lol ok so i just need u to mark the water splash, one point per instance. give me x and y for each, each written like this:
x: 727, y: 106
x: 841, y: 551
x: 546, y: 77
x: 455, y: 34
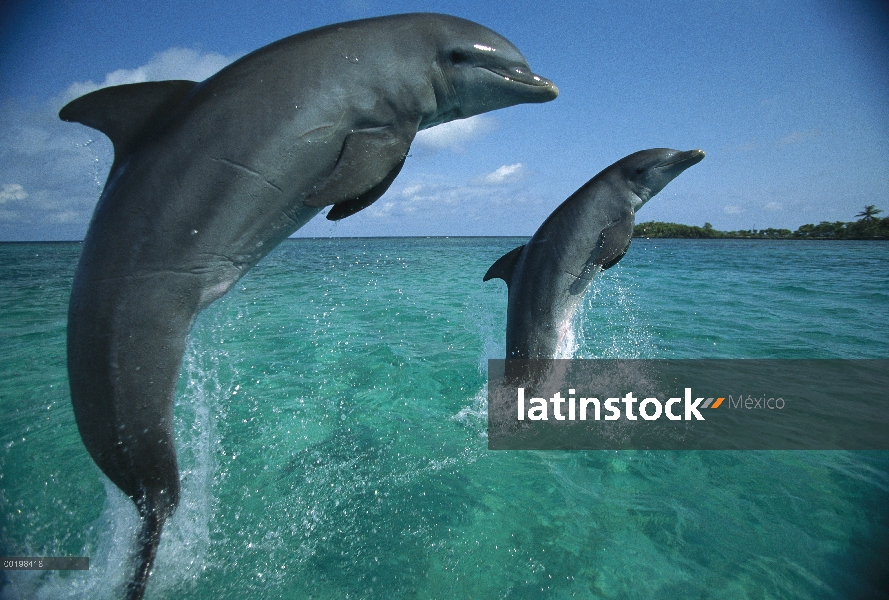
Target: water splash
x: 185, y: 544
x: 609, y: 323
x: 474, y: 416
x: 102, y: 155
x: 184, y: 553
x: 111, y: 536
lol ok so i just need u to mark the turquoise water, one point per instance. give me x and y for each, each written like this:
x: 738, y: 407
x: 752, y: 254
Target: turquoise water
x: 331, y: 430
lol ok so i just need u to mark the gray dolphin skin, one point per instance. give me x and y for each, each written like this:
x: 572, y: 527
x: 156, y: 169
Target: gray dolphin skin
x: 588, y: 233
x: 209, y: 177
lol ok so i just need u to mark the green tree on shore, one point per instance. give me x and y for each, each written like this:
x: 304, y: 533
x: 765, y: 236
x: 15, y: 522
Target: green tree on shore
x: 867, y: 227
x: 868, y: 213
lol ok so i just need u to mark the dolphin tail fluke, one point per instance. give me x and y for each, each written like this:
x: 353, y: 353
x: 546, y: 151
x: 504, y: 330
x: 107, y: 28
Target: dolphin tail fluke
x: 153, y: 518
x: 504, y: 266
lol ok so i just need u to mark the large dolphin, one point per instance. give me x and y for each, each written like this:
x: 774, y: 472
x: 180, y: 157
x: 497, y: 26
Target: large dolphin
x: 209, y: 177
x: 589, y: 232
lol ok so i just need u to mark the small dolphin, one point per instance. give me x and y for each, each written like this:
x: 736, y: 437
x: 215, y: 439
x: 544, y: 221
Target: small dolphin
x: 589, y: 232
x: 209, y: 177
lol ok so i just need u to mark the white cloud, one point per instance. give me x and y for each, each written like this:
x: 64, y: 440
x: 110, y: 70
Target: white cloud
x: 479, y: 198
x: 60, y: 168
x: 773, y: 206
x: 65, y: 217
x: 746, y: 147
x: 731, y: 209
x: 434, y: 203
x: 12, y: 191
x: 504, y: 174
x: 797, y: 137
x: 454, y: 135
x: 382, y: 209
x: 175, y: 63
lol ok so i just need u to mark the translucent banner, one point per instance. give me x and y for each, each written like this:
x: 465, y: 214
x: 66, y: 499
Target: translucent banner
x: 688, y: 405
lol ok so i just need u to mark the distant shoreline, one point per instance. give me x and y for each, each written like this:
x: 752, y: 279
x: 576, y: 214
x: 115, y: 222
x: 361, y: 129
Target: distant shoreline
x: 873, y: 229
x: 728, y: 236
x: 864, y: 229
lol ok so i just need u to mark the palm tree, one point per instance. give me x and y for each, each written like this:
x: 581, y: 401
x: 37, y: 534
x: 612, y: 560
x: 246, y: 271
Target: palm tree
x: 868, y: 213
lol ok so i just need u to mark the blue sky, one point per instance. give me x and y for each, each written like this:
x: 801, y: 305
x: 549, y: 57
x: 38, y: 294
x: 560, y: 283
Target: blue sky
x: 790, y: 100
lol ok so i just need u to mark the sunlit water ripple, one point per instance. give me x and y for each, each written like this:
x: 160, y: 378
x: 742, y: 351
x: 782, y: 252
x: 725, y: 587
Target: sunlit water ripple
x: 330, y: 423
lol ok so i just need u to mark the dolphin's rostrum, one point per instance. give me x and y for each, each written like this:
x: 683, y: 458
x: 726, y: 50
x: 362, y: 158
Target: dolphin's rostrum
x: 589, y: 232
x: 209, y: 177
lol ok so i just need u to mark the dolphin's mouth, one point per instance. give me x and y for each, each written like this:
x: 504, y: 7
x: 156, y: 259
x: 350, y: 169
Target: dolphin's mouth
x: 521, y: 75
x: 692, y: 157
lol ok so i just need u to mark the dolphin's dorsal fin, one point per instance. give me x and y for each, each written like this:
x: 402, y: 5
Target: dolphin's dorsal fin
x: 504, y: 266
x: 123, y: 112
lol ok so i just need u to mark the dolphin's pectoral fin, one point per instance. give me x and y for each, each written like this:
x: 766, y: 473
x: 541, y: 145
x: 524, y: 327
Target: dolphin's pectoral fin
x: 616, y: 259
x: 369, y: 161
x: 590, y: 269
x: 581, y: 282
x: 614, y: 241
x: 123, y: 112
x: 592, y: 266
x: 350, y: 207
x: 504, y: 266
x: 612, y: 245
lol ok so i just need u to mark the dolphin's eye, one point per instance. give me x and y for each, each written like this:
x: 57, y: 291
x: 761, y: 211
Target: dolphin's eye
x: 459, y: 56
x: 639, y: 171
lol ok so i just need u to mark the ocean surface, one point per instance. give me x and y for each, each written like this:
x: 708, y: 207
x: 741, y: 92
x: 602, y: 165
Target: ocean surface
x: 331, y: 429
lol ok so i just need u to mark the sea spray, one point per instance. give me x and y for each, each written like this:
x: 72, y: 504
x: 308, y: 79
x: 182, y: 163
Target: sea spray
x: 109, y: 538
x: 426, y: 510
x: 610, y: 323
x: 185, y: 553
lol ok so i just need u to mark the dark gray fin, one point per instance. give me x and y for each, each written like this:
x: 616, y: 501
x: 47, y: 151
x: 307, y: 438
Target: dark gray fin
x: 617, y: 259
x: 124, y: 112
x: 350, y: 207
x: 612, y: 245
x: 504, y: 266
x: 367, y: 160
